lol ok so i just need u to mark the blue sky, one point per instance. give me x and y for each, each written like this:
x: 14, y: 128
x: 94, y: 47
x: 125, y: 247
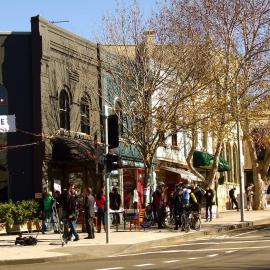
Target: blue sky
x: 84, y: 16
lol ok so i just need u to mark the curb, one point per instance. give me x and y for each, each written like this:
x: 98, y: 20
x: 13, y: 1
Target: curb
x: 111, y: 250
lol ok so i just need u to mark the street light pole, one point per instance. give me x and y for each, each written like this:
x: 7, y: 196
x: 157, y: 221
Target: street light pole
x: 240, y: 164
x: 105, y: 175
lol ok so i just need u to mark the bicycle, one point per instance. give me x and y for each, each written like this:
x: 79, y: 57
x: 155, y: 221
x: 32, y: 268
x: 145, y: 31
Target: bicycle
x: 195, y: 220
x: 185, y: 220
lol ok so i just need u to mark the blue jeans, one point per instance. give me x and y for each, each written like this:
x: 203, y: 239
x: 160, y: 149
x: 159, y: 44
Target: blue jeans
x: 73, y: 230
x: 48, y: 219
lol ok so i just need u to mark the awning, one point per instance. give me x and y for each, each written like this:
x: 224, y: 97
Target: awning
x: 69, y: 149
x: 183, y: 173
x: 205, y: 160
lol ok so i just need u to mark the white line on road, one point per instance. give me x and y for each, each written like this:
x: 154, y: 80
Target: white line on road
x: 186, y: 251
x: 246, y: 233
x: 143, y: 265
x: 194, y: 258
x: 112, y: 268
x: 215, y: 243
x: 230, y: 251
x: 212, y: 255
x: 172, y: 261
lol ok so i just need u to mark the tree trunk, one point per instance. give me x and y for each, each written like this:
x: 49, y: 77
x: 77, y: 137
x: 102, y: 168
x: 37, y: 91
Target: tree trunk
x: 257, y: 179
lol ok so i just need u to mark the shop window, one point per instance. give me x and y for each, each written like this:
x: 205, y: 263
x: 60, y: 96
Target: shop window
x: 85, y: 115
x: 64, y: 110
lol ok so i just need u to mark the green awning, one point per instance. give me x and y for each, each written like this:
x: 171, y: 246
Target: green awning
x: 205, y: 160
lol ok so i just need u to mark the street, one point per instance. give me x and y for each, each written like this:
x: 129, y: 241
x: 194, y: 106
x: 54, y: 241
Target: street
x: 248, y: 248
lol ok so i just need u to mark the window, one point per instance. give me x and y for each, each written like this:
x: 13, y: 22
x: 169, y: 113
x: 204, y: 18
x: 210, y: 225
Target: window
x: 174, y: 139
x: 64, y: 110
x: 85, y: 115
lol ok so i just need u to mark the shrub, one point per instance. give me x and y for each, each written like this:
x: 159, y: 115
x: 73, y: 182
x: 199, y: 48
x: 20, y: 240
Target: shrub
x: 18, y: 212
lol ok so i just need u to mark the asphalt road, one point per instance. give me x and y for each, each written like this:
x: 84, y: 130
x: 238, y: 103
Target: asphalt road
x: 243, y: 249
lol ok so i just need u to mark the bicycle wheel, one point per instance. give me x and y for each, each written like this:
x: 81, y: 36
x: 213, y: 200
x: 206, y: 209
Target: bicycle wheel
x: 197, y: 223
x: 185, y: 226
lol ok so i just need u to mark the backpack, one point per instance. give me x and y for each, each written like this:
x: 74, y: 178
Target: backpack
x: 185, y: 196
x: 26, y: 241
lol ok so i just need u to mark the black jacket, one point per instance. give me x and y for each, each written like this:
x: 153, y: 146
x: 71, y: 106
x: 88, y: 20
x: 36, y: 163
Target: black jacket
x: 72, y: 206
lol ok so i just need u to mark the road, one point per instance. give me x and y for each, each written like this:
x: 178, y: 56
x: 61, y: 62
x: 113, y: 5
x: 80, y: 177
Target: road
x: 243, y: 249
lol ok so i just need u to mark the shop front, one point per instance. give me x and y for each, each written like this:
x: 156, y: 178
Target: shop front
x: 76, y: 161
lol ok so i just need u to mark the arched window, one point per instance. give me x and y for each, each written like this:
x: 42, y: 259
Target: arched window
x: 64, y: 110
x: 85, y: 115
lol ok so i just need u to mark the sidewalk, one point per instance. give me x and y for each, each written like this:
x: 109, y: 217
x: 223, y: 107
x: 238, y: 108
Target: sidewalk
x: 49, y: 245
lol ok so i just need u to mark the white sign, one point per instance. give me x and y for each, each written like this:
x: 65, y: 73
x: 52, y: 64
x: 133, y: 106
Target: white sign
x: 7, y: 123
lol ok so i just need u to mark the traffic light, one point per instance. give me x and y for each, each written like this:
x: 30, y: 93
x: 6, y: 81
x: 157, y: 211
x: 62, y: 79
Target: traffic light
x: 113, y: 133
x: 113, y: 162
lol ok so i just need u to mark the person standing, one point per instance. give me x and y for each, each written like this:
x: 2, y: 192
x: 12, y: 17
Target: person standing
x: 250, y: 195
x: 232, y: 198
x: 158, y: 204
x: 89, y: 212
x: 209, y: 196
x: 72, y: 214
x: 115, y: 203
x: 178, y: 206
x: 100, y: 202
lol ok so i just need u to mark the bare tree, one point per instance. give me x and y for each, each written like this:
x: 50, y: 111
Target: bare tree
x: 153, y: 77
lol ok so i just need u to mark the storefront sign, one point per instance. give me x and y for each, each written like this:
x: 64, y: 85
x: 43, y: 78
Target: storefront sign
x: 7, y: 123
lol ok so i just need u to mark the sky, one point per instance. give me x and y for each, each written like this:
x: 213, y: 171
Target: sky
x: 84, y: 16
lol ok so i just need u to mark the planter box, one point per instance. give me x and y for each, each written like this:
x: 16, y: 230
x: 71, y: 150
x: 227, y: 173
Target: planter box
x: 17, y: 228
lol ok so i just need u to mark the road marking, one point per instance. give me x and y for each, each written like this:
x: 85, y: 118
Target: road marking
x: 186, y: 251
x: 172, y: 261
x: 112, y: 268
x: 143, y: 265
x: 194, y: 258
x: 215, y: 243
x: 230, y: 251
x: 246, y: 233
x: 212, y: 255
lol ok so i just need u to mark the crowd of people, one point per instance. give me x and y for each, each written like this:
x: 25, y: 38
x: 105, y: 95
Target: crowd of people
x: 61, y: 211
x: 184, y: 197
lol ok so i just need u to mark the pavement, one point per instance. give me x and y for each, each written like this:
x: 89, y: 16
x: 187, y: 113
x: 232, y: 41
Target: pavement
x: 49, y: 246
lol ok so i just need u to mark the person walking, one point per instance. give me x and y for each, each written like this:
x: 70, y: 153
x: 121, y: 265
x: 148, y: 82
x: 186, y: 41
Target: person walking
x: 233, y: 199
x: 100, y: 202
x: 250, y: 195
x: 209, y: 196
x: 89, y: 212
x: 115, y: 203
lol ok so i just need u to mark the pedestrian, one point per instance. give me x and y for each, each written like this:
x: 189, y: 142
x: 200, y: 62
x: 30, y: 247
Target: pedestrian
x: 89, y: 212
x: 115, y: 203
x: 250, y: 195
x: 101, y: 203
x: 209, y: 196
x: 178, y: 205
x: 233, y: 198
x: 72, y: 214
x: 199, y: 192
x: 159, y: 204
x: 48, y: 202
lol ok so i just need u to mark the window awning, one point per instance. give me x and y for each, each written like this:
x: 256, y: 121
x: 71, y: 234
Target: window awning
x: 205, y: 160
x: 68, y: 149
x: 183, y: 173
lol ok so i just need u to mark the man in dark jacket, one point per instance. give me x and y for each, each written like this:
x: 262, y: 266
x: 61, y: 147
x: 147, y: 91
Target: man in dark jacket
x: 72, y: 214
x: 115, y: 203
x: 209, y: 196
x: 89, y: 212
